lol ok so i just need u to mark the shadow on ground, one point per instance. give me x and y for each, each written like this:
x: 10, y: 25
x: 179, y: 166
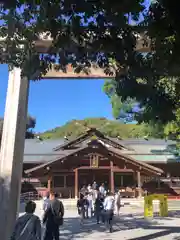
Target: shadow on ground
x: 73, y: 230
x: 171, y: 215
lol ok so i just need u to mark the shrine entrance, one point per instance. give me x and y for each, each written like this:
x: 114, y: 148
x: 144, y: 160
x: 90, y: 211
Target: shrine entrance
x: 124, y: 179
x: 98, y: 175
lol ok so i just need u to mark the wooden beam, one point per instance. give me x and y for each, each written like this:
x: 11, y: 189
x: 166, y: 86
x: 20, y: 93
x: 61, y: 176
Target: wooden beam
x: 114, y: 169
x: 12, y: 150
x: 94, y: 73
x: 44, y: 43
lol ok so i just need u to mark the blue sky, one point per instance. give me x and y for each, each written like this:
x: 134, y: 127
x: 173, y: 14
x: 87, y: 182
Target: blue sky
x: 54, y: 102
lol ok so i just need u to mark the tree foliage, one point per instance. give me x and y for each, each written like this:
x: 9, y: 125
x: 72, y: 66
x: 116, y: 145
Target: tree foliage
x: 86, y: 32
x: 122, y: 110
x: 116, y: 129
x: 172, y: 129
x: 154, y: 81
x: 31, y: 123
x: 83, y: 32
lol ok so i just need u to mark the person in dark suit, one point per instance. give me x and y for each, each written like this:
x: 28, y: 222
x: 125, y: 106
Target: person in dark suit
x: 82, y: 206
x: 53, y: 218
x: 99, y: 208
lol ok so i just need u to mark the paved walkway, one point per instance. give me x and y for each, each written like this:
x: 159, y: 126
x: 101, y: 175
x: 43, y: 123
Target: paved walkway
x: 130, y: 226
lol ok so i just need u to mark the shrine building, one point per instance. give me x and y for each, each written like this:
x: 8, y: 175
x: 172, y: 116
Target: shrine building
x: 132, y: 165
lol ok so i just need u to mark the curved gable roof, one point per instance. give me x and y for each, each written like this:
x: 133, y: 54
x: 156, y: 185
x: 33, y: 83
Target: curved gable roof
x: 88, y: 135
x: 115, y: 151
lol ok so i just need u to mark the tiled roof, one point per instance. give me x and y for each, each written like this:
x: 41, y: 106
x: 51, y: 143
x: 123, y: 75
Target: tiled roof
x: 150, y: 167
x: 113, y: 150
x: 39, y: 151
x: 153, y: 150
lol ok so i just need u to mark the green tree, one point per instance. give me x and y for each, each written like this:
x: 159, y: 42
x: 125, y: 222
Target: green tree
x: 107, y: 34
x: 172, y: 129
x: 153, y: 78
x: 31, y: 123
x: 120, y: 109
x: 109, y: 128
x: 85, y: 32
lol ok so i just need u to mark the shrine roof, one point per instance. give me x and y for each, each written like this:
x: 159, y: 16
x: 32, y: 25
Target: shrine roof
x: 110, y: 150
x: 151, y: 151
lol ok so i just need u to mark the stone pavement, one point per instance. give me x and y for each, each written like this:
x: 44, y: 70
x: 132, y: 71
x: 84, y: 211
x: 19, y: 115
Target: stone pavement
x: 130, y: 225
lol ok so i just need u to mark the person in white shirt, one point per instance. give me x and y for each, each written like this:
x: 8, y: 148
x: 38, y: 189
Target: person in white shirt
x: 46, y: 202
x: 118, y: 202
x: 89, y: 188
x: 102, y: 190
x: 90, y: 201
x: 109, y: 209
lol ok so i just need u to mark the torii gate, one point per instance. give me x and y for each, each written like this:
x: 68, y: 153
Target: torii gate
x: 13, y: 138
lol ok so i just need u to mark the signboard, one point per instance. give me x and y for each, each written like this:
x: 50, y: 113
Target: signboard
x: 148, y: 205
x: 94, y: 161
x: 163, y: 207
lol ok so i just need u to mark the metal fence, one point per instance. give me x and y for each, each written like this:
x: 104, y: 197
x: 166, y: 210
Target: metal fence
x: 30, y: 196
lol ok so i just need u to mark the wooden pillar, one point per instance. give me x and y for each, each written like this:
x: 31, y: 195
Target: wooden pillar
x: 111, y: 177
x: 76, y: 183
x: 158, y: 182
x: 49, y: 183
x: 12, y: 150
x: 65, y: 181
x: 122, y: 181
x: 139, y: 184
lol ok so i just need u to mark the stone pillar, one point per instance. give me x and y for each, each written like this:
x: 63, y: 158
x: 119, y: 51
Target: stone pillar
x: 139, y: 184
x: 12, y: 150
x: 76, y: 184
x: 111, y: 177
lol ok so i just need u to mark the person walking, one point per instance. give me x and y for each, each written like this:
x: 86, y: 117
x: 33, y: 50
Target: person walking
x: 94, y: 185
x: 98, y: 208
x: 82, y: 206
x: 102, y: 190
x: 46, y: 201
x: 53, y: 218
x: 28, y: 226
x: 90, y: 202
x: 89, y: 188
x: 83, y: 191
x: 109, y: 209
x: 118, y: 202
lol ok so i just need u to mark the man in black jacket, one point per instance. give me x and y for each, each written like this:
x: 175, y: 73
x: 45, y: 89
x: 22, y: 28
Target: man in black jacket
x: 53, y: 218
x: 99, y: 208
